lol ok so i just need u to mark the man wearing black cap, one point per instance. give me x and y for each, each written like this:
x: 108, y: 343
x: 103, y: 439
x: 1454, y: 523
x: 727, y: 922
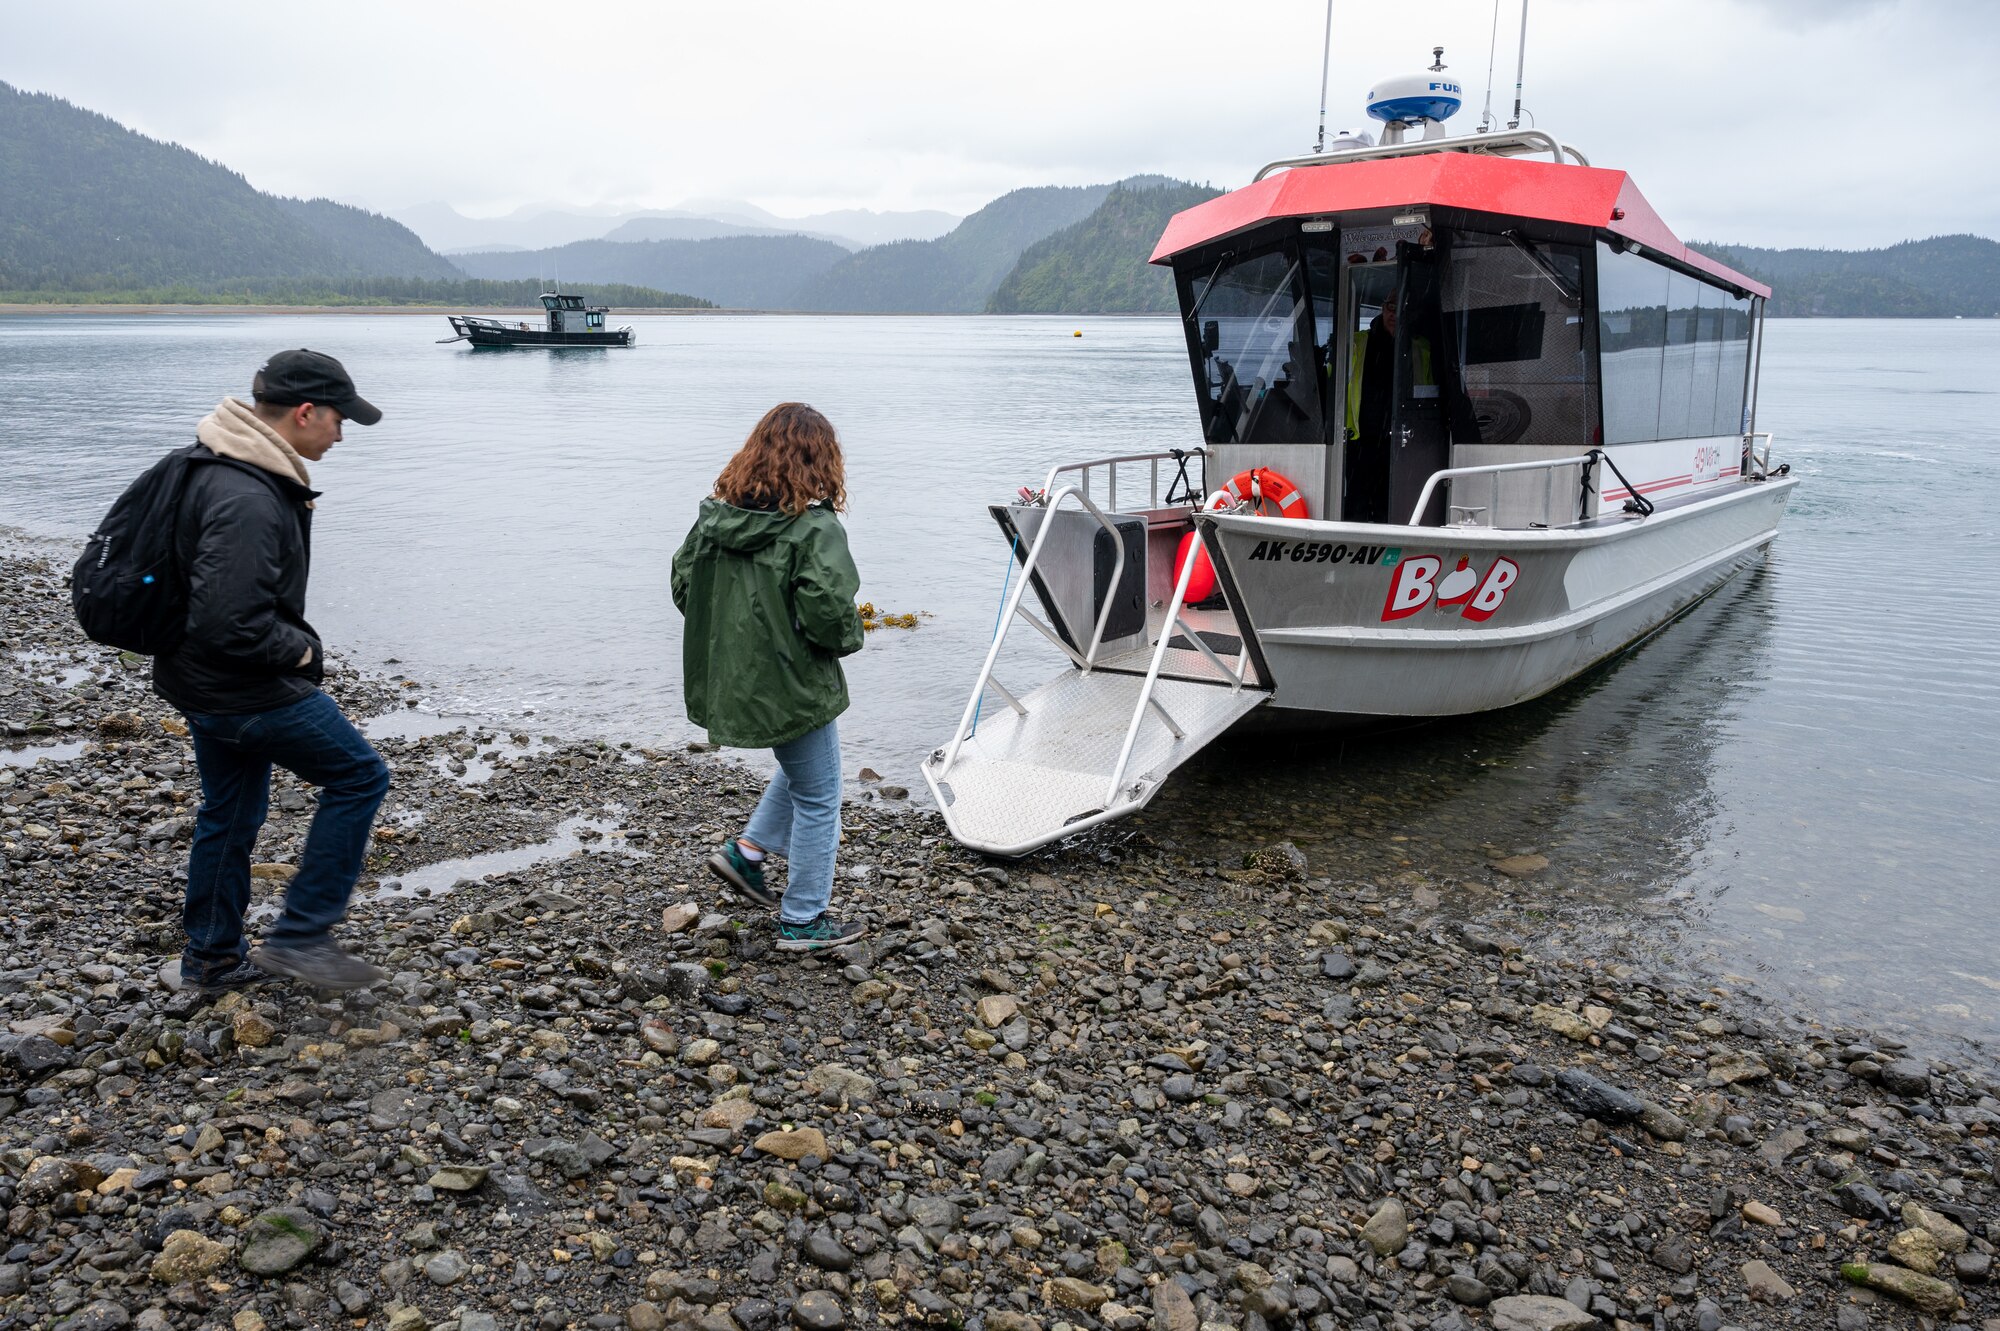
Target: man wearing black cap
x: 247, y: 675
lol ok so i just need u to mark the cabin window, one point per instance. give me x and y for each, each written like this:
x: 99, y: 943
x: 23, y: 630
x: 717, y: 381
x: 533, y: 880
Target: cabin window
x: 1512, y: 317
x: 1253, y: 350
x: 1675, y: 351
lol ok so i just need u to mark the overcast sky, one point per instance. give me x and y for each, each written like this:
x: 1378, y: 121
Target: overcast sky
x: 1798, y: 122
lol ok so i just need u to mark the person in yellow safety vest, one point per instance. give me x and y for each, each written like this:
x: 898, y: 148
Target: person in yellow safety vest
x: 1371, y: 377
x: 1373, y: 383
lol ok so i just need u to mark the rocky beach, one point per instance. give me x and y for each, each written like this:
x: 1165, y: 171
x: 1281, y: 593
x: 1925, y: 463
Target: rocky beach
x: 1116, y: 1087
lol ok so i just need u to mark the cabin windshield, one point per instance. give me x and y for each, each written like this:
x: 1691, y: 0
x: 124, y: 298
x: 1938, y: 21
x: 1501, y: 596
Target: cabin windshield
x: 1255, y: 351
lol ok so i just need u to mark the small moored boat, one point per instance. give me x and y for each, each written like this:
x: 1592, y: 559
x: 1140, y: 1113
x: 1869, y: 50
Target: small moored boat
x: 570, y: 323
x: 1473, y: 420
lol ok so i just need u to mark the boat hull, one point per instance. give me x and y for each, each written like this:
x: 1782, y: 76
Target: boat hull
x: 535, y: 337
x: 1360, y: 625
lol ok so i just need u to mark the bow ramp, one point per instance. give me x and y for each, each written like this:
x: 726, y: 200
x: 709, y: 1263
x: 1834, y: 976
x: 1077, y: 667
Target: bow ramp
x: 1034, y: 776
x: 1148, y: 686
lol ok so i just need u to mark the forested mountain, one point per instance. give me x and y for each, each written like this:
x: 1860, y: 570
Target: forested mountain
x: 740, y: 272
x: 87, y: 203
x: 1098, y: 266
x: 955, y: 273
x: 389, y: 292
x: 1935, y: 278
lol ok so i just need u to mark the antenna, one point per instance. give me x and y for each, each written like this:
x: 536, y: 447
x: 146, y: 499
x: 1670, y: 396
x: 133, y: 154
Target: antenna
x: 1492, y: 46
x: 1437, y: 60
x: 1520, y: 67
x: 1325, y: 63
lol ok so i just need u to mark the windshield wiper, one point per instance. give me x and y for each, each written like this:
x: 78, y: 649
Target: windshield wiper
x: 1543, y: 266
x: 1208, y: 286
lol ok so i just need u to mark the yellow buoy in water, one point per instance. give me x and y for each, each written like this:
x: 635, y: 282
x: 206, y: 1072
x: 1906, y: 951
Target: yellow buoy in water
x: 1077, y: 333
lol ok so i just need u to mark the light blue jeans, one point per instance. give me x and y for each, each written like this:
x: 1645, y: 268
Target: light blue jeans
x: 799, y: 818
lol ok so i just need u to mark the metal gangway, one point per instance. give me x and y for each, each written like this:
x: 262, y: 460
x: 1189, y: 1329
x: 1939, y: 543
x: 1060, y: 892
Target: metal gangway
x: 1097, y: 741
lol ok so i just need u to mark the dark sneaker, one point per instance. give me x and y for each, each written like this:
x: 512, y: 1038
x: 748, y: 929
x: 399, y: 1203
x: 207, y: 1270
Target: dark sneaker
x: 818, y: 934
x: 747, y: 877
x: 324, y: 964
x: 240, y: 976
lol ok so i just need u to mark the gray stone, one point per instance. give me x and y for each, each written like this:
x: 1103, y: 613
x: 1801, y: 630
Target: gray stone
x: 460, y: 1178
x: 1466, y: 1289
x: 1663, y: 1123
x: 1765, y: 1285
x: 103, y: 1315
x: 1596, y: 1098
x: 1907, y: 1076
x: 1388, y: 1230
x: 447, y: 1268
x: 1538, y: 1312
x: 826, y: 1252
x: 279, y: 1240
x: 1173, y: 1310
x: 818, y: 1310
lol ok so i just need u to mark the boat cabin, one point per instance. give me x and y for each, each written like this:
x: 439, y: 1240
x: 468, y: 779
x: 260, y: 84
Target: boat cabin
x: 1362, y: 320
x: 568, y: 314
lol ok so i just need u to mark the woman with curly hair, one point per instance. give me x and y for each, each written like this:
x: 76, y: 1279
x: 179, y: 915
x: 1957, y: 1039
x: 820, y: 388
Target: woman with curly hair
x: 768, y: 588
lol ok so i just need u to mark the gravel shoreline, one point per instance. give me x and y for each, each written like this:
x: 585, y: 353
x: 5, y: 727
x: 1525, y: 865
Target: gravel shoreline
x: 1114, y: 1086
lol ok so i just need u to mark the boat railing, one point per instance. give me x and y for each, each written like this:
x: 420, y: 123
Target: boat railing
x: 1503, y: 143
x: 1754, y: 457
x: 1494, y: 471
x: 1085, y: 660
x: 1085, y: 471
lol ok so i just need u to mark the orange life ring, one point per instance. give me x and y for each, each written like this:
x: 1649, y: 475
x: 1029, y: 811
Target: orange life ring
x: 1260, y: 486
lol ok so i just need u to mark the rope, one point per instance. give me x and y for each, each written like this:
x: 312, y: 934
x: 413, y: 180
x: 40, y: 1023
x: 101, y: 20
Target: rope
x: 1006, y: 584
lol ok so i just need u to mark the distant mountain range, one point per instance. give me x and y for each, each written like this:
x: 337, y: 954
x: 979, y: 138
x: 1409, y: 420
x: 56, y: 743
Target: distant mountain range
x: 742, y: 272
x: 91, y: 210
x: 955, y: 274
x: 86, y: 204
x: 539, y: 226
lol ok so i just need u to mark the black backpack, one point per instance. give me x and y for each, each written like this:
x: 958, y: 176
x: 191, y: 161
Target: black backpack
x: 128, y: 589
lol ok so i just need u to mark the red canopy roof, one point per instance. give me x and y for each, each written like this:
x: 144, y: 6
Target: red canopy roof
x: 1514, y: 186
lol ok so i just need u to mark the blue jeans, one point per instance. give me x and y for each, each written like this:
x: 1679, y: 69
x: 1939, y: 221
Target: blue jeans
x: 234, y: 754
x: 799, y: 818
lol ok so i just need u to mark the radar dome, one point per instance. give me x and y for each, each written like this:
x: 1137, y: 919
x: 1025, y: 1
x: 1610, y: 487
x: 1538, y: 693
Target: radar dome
x: 1428, y: 96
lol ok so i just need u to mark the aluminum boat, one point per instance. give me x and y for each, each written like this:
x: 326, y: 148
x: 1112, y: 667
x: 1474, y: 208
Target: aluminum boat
x: 570, y: 323
x: 1473, y: 420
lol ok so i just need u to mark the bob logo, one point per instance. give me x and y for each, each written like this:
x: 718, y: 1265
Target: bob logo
x: 1416, y: 583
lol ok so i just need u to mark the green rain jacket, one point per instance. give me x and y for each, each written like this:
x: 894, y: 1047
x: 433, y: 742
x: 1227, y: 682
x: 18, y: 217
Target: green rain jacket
x: 769, y: 601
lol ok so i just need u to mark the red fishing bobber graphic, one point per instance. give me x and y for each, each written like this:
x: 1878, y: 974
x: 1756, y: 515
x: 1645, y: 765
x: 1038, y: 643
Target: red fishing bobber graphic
x: 1456, y: 587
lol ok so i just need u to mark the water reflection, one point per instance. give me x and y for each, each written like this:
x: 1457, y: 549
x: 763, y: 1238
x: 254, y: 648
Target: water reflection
x: 1608, y: 777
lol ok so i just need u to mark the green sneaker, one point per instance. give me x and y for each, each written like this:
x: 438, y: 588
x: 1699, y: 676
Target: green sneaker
x: 817, y: 934
x: 745, y: 876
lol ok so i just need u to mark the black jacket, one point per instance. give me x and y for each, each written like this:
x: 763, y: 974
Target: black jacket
x: 245, y: 544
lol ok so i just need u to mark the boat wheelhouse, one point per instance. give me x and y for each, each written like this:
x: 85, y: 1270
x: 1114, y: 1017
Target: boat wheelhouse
x: 570, y: 323
x: 1472, y: 420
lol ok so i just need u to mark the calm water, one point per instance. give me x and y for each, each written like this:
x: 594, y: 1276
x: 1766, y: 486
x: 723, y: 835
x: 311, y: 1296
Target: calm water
x: 1797, y: 783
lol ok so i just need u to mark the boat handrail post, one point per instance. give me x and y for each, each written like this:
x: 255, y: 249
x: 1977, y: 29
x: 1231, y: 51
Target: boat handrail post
x: 1013, y: 607
x: 1159, y: 660
x: 1447, y: 474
